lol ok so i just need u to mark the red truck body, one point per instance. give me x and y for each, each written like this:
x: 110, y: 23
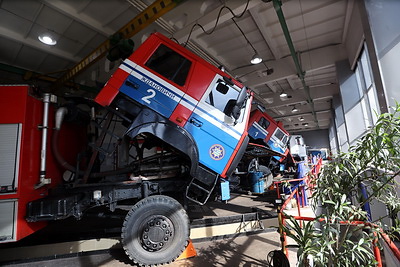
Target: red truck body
x: 21, y: 135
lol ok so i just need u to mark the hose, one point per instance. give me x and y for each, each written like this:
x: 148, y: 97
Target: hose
x: 57, y: 154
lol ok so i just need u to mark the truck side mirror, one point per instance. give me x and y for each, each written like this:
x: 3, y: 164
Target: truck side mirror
x: 236, y: 112
x: 233, y: 107
x: 241, y: 97
x: 229, y: 107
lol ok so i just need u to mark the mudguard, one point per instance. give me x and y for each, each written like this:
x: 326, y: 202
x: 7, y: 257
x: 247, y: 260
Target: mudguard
x: 151, y: 122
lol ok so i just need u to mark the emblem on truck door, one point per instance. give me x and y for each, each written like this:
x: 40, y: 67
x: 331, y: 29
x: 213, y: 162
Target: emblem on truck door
x: 217, y: 152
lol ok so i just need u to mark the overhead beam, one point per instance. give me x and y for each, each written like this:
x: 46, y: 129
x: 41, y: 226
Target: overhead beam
x: 296, y: 129
x: 37, y: 13
x: 312, y: 60
x: 273, y: 86
x: 291, y: 81
x: 110, y: 19
x: 317, y: 94
x: 66, y: 9
x: 138, y: 23
x: 318, y: 112
x: 266, y: 33
x: 309, y: 12
x: 28, y: 75
x: 208, y: 20
x: 349, y: 11
x: 167, y: 26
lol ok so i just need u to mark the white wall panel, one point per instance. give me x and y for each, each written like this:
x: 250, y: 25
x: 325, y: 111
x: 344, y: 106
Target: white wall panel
x: 342, y: 135
x: 355, y: 123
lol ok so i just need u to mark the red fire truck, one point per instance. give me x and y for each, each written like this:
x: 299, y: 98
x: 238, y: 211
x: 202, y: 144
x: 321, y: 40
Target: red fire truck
x: 179, y: 129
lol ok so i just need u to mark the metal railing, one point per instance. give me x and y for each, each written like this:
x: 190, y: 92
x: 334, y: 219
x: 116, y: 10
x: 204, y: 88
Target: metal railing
x: 300, y: 201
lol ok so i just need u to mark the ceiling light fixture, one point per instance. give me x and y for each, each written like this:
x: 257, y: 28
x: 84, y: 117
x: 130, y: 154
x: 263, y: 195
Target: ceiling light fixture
x: 294, y: 109
x: 46, y: 39
x: 256, y: 59
x: 283, y: 94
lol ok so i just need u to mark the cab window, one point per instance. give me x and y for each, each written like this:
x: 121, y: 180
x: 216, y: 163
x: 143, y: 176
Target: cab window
x: 220, y: 95
x: 264, y: 123
x: 169, y: 64
x: 281, y: 136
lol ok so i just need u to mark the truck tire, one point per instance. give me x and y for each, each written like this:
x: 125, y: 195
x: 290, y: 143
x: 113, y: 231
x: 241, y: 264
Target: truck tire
x: 155, y: 231
x: 267, y: 175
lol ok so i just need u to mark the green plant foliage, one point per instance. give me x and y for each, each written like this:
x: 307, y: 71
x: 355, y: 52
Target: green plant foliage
x: 373, y: 163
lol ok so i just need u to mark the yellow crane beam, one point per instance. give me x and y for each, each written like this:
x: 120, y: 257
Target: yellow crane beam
x: 138, y: 23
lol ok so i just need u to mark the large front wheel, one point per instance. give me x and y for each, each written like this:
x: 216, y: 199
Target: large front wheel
x: 155, y: 231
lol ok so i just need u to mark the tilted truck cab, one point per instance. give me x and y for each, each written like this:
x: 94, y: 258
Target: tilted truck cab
x: 184, y: 130
x: 269, y: 140
x: 286, y: 150
x: 265, y: 130
x: 186, y: 102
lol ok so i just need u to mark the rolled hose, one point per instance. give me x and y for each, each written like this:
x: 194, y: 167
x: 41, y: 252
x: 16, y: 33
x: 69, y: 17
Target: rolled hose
x: 60, y: 114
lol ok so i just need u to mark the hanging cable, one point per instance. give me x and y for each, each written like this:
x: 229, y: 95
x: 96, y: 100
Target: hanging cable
x: 216, y: 22
x: 269, y: 71
x: 244, y: 35
x: 280, y: 86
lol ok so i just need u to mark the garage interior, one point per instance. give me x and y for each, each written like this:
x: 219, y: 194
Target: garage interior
x: 327, y: 69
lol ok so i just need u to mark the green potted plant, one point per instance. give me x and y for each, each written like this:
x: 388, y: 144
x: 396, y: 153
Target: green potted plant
x: 342, y: 193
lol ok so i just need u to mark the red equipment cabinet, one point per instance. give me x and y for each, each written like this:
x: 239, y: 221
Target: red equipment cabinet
x: 20, y: 155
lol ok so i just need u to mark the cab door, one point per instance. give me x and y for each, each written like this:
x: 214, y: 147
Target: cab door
x: 215, y: 133
x: 159, y: 83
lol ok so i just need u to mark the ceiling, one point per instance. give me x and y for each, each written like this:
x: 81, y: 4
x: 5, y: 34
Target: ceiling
x: 318, y: 29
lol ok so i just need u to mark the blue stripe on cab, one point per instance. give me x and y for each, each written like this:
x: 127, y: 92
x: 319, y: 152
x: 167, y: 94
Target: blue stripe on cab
x: 206, y: 137
x: 149, y: 96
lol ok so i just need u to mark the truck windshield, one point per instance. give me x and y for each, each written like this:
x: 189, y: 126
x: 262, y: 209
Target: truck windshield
x: 281, y: 136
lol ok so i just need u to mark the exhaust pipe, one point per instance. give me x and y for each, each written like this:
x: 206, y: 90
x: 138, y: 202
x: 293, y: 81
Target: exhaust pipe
x: 43, y: 180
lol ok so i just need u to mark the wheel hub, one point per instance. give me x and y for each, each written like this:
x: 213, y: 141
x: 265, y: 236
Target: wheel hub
x: 157, y: 232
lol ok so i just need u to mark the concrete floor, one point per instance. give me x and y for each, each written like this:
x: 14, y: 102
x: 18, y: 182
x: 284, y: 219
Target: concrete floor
x: 246, y: 251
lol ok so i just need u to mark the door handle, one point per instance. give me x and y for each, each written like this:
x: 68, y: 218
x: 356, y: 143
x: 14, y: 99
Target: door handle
x: 132, y: 84
x: 196, y: 122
